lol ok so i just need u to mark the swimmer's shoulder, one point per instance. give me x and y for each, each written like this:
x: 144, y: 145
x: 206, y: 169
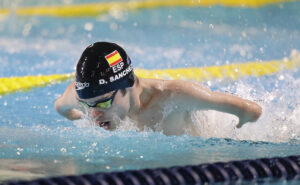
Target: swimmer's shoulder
x: 179, y: 87
x: 71, y: 88
x: 167, y: 86
x: 155, y: 87
x: 70, y: 91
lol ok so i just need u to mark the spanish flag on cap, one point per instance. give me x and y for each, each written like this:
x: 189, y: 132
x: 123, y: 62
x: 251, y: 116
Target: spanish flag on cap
x: 113, y: 58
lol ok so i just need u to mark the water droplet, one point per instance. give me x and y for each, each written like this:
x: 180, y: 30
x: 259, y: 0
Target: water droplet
x: 261, y: 50
x: 94, y: 144
x: 113, y: 26
x: 26, y: 30
x: 63, y: 150
x: 281, y: 77
x: 88, y: 26
x: 20, y: 149
x: 244, y: 34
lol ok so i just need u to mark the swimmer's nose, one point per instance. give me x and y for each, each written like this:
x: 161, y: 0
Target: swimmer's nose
x: 96, y: 113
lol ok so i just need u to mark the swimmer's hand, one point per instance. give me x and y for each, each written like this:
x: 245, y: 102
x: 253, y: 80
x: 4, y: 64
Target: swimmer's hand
x: 69, y: 112
x: 74, y: 114
x: 67, y: 104
x: 250, y: 114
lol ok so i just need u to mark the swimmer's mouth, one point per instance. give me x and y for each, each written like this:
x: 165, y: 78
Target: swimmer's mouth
x: 105, y: 124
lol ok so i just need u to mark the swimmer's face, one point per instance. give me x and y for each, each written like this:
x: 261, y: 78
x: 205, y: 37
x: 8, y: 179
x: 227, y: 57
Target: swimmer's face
x: 107, y: 110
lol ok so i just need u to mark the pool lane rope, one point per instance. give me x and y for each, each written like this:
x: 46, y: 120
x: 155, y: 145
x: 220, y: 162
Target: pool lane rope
x: 233, y: 71
x: 95, y: 9
x: 232, y: 172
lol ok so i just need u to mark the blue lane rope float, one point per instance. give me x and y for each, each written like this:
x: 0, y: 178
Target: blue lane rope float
x: 257, y: 170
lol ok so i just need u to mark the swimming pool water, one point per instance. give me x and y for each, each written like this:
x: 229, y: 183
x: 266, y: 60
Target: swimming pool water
x: 36, y: 142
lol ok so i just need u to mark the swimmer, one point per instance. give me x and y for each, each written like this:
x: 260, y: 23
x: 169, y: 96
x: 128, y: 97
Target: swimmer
x: 107, y: 90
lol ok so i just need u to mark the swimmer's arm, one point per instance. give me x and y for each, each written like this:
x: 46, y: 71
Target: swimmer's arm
x: 67, y: 104
x: 203, y: 98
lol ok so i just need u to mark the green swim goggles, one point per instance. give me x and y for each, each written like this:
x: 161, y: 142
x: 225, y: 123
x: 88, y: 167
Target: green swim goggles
x: 102, y: 104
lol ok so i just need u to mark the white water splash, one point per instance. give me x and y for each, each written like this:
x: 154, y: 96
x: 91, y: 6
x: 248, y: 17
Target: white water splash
x: 280, y: 121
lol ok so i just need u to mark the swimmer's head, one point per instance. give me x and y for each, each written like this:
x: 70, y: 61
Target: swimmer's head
x: 103, y: 67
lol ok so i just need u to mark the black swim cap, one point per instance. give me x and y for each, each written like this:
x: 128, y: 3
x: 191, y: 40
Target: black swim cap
x: 102, y: 67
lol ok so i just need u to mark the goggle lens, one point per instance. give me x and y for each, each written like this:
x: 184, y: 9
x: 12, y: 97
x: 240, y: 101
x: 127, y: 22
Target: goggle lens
x: 104, y: 104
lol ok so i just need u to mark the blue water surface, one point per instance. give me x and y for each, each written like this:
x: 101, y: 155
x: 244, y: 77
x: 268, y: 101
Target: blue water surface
x: 37, y: 142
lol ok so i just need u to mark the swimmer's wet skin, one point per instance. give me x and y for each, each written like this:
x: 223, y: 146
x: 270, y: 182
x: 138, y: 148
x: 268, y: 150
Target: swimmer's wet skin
x: 106, y: 87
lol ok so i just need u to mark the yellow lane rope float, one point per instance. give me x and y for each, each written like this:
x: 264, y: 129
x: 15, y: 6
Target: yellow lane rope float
x: 228, y: 71
x: 94, y: 9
